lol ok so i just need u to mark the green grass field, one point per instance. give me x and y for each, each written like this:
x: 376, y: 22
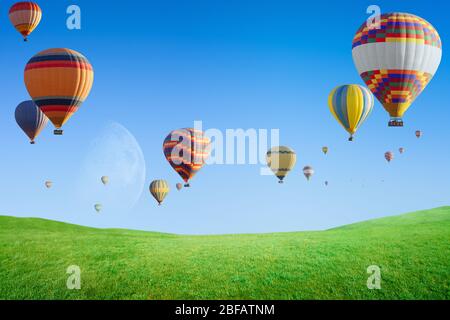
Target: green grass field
x: 412, y: 250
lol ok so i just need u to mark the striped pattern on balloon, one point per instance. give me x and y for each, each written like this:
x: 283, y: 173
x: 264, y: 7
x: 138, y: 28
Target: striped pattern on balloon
x: 186, y: 150
x: 159, y: 190
x: 281, y: 160
x: 30, y: 119
x: 25, y: 17
x: 58, y: 81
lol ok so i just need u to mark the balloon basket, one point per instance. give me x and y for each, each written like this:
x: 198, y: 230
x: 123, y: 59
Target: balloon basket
x: 396, y: 123
x: 350, y: 139
x: 58, y: 132
x: 25, y: 40
x: 32, y: 142
x: 187, y: 185
x: 281, y: 182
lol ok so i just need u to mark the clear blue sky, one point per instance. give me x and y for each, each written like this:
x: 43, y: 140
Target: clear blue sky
x: 160, y: 65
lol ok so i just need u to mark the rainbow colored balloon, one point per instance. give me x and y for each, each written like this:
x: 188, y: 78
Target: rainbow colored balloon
x: 397, y: 59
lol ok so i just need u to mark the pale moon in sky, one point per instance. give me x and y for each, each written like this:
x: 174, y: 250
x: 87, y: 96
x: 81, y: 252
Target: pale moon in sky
x: 114, y: 153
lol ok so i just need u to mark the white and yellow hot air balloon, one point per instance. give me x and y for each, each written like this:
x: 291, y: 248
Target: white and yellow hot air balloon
x: 281, y: 160
x: 159, y: 190
x: 397, y: 57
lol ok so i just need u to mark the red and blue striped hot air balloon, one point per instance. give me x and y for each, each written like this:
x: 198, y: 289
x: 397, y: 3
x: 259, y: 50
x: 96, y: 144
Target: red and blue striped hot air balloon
x: 186, y: 150
x: 58, y: 81
x: 25, y: 17
x: 30, y: 119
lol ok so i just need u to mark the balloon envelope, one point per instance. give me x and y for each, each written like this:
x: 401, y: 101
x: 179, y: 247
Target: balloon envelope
x: 186, y: 150
x: 397, y: 59
x: 389, y: 156
x: 25, y: 17
x: 159, y: 190
x: 98, y: 207
x: 401, y: 150
x: 308, y: 171
x: 350, y: 105
x: 30, y: 119
x: 179, y: 186
x: 105, y: 180
x: 58, y: 81
x: 281, y: 160
x: 418, y: 133
x: 325, y: 150
x: 48, y: 184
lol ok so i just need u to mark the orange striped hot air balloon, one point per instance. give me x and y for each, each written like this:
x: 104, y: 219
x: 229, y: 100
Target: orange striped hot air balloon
x: 25, y: 17
x: 58, y: 81
x: 186, y: 150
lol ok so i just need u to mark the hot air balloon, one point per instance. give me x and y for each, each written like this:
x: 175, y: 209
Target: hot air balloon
x: 325, y: 150
x: 281, y: 160
x: 48, y: 184
x: 58, y: 81
x: 105, y: 180
x: 186, y: 150
x: 98, y: 207
x: 159, y: 190
x: 30, y: 119
x: 25, y: 17
x: 308, y: 171
x: 389, y: 156
x: 351, y: 105
x: 418, y: 134
x: 179, y: 186
x: 326, y: 183
x: 401, y: 150
x: 397, y: 59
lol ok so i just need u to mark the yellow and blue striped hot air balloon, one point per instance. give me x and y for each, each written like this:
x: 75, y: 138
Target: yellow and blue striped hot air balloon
x: 351, y: 105
x: 159, y: 190
x: 281, y: 160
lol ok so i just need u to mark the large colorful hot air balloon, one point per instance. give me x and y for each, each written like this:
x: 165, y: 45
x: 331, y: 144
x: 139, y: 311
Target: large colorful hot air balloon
x: 397, y: 59
x: 58, y: 81
x: 30, y: 119
x: 186, y: 150
x: 179, y: 186
x: 325, y: 150
x: 281, y: 160
x: 159, y: 190
x: 418, y: 134
x: 308, y: 171
x: 350, y: 105
x: 105, y: 180
x: 25, y: 17
x: 389, y: 156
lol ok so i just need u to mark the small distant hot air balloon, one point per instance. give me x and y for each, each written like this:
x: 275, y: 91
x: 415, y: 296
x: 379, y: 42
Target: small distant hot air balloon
x: 159, y: 190
x: 389, y: 156
x: 418, y: 134
x: 186, y: 150
x: 350, y: 105
x: 397, y: 59
x: 308, y: 171
x: 401, y: 150
x: 281, y: 160
x: 179, y: 186
x: 48, y: 184
x: 25, y: 17
x: 325, y: 150
x: 98, y: 207
x: 58, y: 81
x: 105, y: 180
x: 30, y: 119
x: 326, y: 183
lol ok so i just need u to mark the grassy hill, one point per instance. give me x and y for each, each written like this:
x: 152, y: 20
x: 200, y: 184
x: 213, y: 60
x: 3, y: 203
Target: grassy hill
x: 412, y: 250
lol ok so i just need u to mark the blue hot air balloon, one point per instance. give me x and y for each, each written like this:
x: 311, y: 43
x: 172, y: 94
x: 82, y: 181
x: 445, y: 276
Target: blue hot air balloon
x: 30, y: 119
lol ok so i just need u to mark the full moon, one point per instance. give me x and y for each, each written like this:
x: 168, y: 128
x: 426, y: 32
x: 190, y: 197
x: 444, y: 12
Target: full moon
x: 114, y: 153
